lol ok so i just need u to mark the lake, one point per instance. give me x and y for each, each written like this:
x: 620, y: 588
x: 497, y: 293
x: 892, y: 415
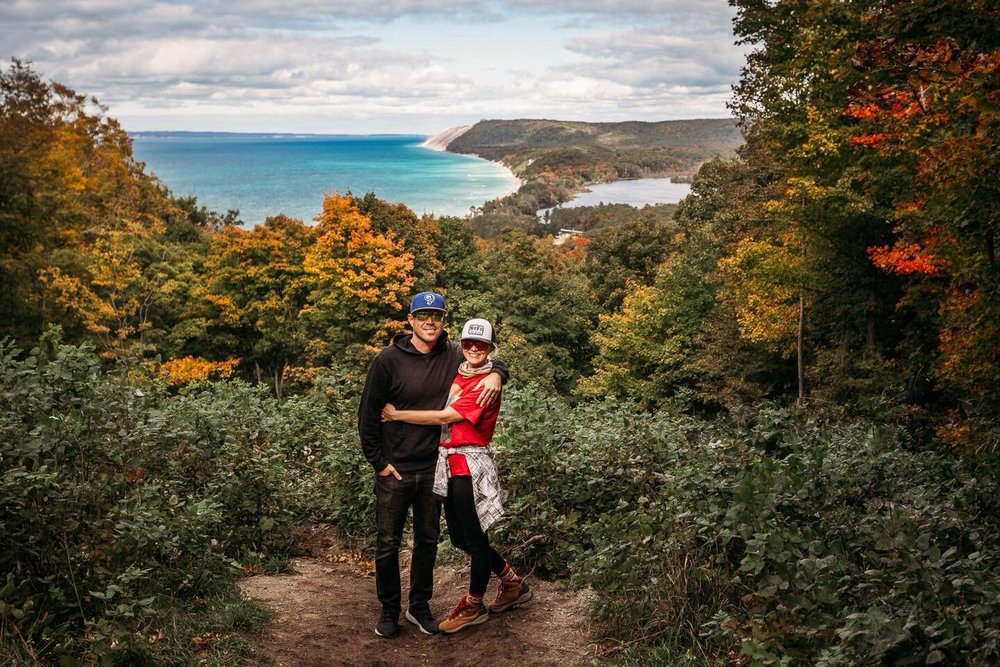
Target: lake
x: 638, y: 192
x: 266, y: 174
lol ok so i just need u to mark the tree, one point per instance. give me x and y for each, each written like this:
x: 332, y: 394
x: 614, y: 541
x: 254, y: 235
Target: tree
x: 87, y: 238
x: 674, y: 336
x: 25, y: 130
x: 104, y: 285
x: 258, y: 287
x: 791, y: 101
x: 627, y: 253
x: 74, y: 209
x: 358, y: 281
x: 542, y: 310
x: 463, y: 280
x: 927, y: 104
x: 420, y: 236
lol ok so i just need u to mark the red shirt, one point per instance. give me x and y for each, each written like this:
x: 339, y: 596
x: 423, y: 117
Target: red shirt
x: 477, y: 427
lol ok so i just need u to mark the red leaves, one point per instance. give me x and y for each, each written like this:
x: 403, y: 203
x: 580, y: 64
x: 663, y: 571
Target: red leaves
x: 886, y: 112
x: 870, y: 140
x: 869, y: 111
x: 892, y: 103
x: 904, y: 259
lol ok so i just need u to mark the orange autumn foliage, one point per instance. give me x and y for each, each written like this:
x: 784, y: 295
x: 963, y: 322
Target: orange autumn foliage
x: 352, y: 261
x: 871, y: 140
x: 904, y: 259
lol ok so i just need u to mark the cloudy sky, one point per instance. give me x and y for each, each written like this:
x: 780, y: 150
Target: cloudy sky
x: 369, y: 66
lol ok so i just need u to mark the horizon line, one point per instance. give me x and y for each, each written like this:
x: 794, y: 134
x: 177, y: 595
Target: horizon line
x: 283, y: 134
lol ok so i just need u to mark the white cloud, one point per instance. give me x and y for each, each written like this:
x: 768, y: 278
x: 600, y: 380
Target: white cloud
x: 371, y: 63
x: 655, y: 56
x: 325, y: 12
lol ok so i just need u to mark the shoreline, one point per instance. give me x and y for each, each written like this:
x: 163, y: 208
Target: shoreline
x: 439, y: 142
x: 513, y: 181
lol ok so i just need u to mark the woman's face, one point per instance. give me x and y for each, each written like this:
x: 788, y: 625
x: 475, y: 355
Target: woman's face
x: 476, y: 352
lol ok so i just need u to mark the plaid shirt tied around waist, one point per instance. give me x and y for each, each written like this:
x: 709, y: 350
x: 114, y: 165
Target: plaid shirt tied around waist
x: 485, y: 480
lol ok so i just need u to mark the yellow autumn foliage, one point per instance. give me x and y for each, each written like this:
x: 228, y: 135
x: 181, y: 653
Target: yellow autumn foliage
x: 761, y: 280
x: 186, y: 370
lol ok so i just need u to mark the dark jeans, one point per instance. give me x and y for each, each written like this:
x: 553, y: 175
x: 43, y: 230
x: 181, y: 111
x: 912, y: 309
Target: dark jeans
x: 466, y: 534
x: 393, y: 499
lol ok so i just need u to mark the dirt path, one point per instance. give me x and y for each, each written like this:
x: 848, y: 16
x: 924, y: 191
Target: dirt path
x: 325, y: 613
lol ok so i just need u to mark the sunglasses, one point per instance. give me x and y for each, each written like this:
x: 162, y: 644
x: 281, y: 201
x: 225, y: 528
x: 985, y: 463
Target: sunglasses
x: 476, y: 345
x: 425, y: 315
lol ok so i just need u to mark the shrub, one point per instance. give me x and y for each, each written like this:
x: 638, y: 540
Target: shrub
x: 786, y: 538
x: 119, y: 500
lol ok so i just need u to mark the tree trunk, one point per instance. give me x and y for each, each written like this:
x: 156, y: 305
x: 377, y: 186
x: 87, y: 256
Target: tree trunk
x: 991, y: 251
x: 798, y: 346
x: 871, y: 324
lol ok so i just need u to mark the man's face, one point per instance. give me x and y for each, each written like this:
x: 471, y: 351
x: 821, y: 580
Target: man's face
x: 427, y: 325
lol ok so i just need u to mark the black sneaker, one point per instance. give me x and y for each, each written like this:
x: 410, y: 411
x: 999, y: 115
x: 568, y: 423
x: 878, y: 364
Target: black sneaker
x: 423, y: 619
x: 388, y: 624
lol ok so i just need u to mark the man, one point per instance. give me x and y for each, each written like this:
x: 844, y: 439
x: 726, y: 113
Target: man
x: 414, y: 372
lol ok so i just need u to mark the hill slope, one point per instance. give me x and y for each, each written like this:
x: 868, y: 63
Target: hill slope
x: 673, y: 147
x: 719, y: 133
x: 555, y: 159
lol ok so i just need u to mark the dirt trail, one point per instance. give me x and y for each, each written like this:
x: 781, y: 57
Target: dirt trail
x: 325, y: 613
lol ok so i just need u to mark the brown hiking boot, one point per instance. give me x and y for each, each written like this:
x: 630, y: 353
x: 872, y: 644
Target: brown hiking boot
x: 511, y: 595
x: 463, y: 615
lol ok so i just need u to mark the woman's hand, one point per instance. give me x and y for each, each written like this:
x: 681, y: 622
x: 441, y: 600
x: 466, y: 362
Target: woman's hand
x: 389, y: 412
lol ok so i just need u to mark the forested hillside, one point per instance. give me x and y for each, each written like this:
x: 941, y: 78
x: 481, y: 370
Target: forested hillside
x: 557, y: 158
x: 517, y: 140
x: 762, y: 426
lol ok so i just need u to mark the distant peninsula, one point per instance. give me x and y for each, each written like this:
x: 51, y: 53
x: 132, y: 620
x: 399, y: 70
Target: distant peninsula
x: 555, y: 159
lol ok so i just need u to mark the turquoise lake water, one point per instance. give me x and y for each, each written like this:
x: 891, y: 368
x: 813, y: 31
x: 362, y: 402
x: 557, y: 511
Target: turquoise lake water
x: 267, y: 174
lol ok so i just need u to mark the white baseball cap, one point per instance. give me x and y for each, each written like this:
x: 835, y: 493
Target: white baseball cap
x: 478, y: 329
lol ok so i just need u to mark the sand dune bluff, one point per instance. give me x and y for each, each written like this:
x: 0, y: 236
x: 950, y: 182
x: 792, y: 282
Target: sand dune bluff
x: 440, y: 141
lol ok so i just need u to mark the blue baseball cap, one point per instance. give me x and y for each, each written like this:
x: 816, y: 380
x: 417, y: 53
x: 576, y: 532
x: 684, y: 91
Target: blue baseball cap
x: 427, y: 301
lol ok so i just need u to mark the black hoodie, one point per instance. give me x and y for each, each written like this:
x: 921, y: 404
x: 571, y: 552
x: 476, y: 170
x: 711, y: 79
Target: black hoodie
x: 410, y: 380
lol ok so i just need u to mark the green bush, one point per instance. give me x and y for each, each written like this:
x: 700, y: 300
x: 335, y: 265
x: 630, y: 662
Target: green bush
x: 784, y: 539
x: 118, y: 501
x: 770, y: 537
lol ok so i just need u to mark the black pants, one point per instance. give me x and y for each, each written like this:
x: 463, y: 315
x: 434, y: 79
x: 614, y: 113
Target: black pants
x: 467, y: 535
x: 393, y: 499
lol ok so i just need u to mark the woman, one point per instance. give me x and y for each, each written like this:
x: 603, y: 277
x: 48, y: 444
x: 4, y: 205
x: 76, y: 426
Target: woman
x: 467, y: 478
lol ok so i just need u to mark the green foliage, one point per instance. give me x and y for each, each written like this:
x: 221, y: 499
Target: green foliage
x: 782, y: 537
x: 540, y: 307
x: 651, y: 349
x: 119, y: 501
x: 563, y: 469
x: 489, y: 225
x: 605, y: 216
x: 515, y: 139
x: 629, y: 251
